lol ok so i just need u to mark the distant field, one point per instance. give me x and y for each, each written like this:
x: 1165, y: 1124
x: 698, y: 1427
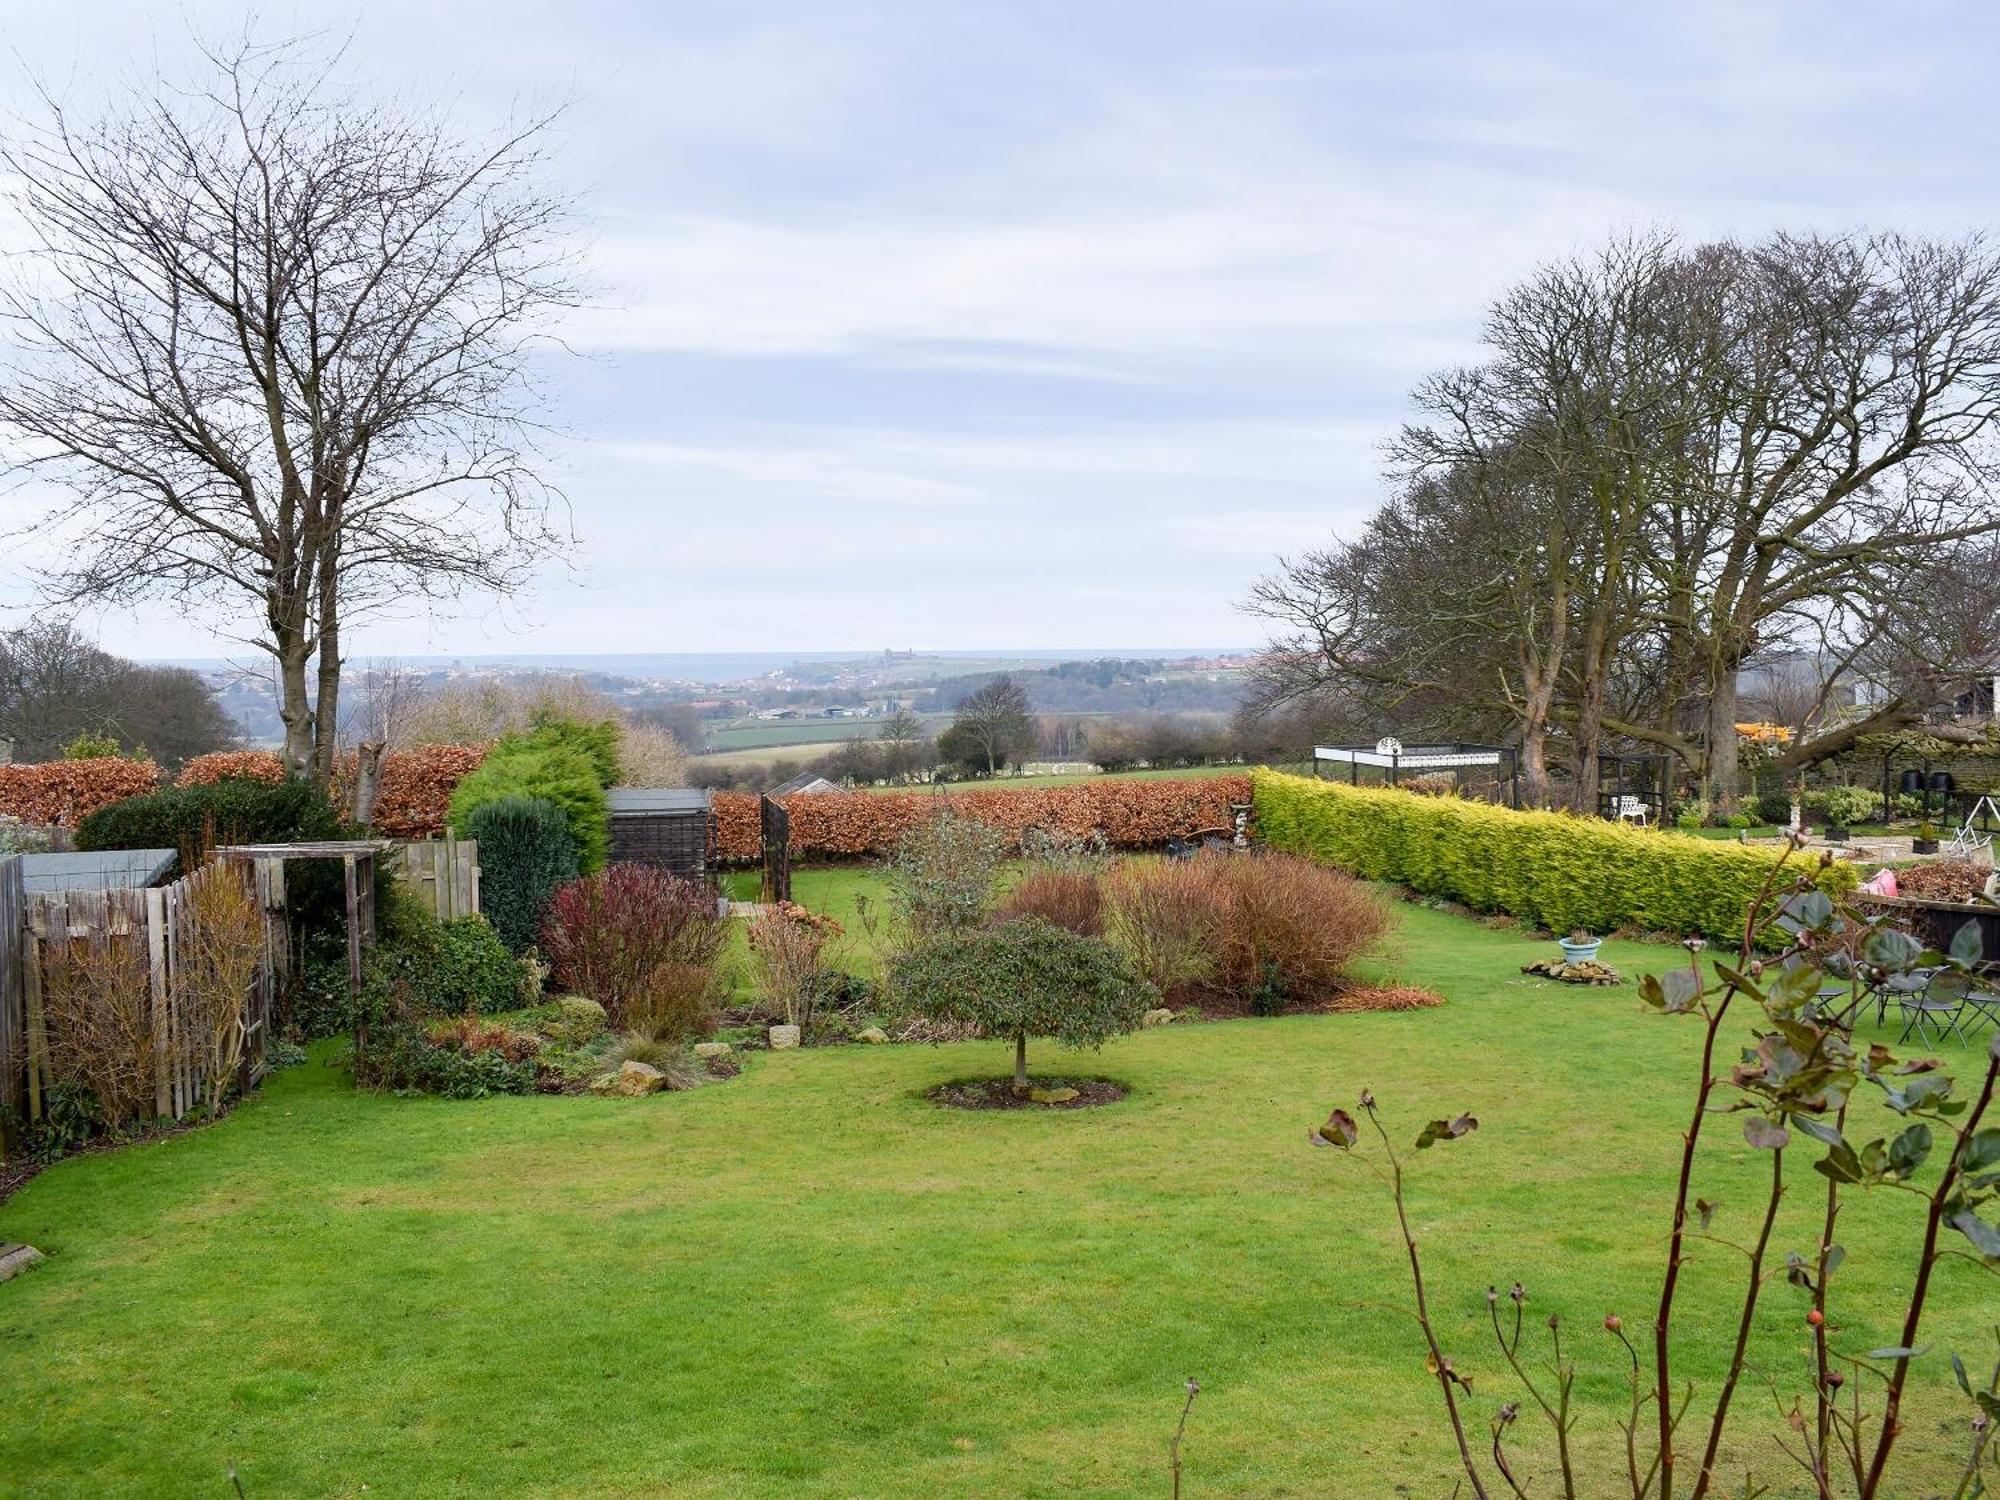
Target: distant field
x: 1072, y: 780
x: 774, y: 734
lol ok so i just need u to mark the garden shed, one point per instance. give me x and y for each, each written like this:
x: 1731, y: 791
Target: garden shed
x: 101, y: 870
x: 669, y: 828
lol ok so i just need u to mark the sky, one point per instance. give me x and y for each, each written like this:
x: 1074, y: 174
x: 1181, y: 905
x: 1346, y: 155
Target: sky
x: 952, y: 325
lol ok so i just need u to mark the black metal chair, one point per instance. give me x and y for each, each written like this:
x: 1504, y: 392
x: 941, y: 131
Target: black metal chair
x: 1930, y: 1017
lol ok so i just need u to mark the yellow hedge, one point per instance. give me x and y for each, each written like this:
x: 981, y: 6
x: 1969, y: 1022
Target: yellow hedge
x: 1551, y: 869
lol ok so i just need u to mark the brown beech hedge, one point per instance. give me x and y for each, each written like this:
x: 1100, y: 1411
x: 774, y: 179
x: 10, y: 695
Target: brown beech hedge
x: 67, y: 791
x: 848, y: 825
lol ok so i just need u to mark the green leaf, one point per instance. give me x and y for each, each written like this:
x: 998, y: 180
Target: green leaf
x: 1984, y: 1236
x: 1908, y: 1150
x: 1339, y: 1130
x: 1840, y: 1164
x: 1966, y: 944
x: 1446, y: 1130
x: 1819, y: 1130
x: 1680, y: 989
x: 1809, y: 909
x: 1897, y: 1351
x: 1981, y: 1152
x: 1741, y: 980
x: 1888, y: 948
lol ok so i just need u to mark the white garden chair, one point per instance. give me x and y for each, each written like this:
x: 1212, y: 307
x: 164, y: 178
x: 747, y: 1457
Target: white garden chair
x: 1634, y: 810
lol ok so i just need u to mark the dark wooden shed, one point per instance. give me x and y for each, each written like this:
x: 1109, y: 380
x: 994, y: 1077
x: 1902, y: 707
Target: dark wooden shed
x: 672, y: 829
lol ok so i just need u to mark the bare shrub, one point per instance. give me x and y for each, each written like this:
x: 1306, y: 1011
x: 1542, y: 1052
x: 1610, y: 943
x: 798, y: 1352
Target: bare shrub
x: 1270, y: 929
x: 478, y: 711
x: 650, y: 756
x: 1068, y: 898
x: 1293, y: 921
x: 943, y: 871
x: 219, y: 957
x: 1168, y: 919
x: 97, y: 1008
x: 789, y: 960
x: 678, y: 1000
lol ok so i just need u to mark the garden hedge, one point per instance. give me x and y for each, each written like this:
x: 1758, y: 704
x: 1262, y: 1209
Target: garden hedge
x: 65, y: 792
x: 558, y: 773
x: 1552, y: 869
x: 234, y: 811
x: 232, y: 765
x: 846, y: 825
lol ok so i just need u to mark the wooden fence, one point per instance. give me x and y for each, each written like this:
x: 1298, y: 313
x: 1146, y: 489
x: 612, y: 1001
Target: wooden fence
x: 444, y: 873
x: 156, y: 928
x: 13, y: 988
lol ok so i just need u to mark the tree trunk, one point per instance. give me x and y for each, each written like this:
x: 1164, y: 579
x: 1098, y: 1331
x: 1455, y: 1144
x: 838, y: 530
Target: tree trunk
x: 294, y: 705
x: 367, y: 781
x: 1021, y: 1062
x: 1720, y: 757
x: 326, y: 712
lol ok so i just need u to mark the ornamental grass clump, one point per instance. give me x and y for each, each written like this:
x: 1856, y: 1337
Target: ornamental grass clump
x: 1021, y: 979
x: 643, y: 944
x: 1838, y: 1404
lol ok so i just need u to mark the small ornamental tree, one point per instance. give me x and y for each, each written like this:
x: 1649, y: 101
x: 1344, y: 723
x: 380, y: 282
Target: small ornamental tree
x: 1792, y: 1087
x: 1025, y: 978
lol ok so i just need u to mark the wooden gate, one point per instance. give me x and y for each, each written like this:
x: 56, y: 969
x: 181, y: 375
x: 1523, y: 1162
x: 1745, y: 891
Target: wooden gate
x: 444, y: 873
x: 777, y: 827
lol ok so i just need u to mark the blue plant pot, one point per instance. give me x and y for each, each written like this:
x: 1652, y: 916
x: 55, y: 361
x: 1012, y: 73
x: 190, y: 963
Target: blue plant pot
x: 1579, y: 953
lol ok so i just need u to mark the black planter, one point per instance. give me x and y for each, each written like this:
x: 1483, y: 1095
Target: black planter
x: 1923, y: 846
x: 1835, y: 835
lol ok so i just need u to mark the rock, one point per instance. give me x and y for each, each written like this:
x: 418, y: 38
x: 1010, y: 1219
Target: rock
x: 1051, y: 1096
x: 873, y: 1035
x: 706, y: 1050
x: 14, y: 1259
x: 579, y: 1019
x: 1159, y: 1017
x: 630, y: 1081
x: 783, y: 1037
x: 1590, y: 971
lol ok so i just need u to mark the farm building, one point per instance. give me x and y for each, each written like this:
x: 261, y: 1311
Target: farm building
x: 671, y: 829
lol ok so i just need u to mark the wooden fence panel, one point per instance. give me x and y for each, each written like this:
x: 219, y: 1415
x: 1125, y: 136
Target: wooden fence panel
x: 444, y: 873
x: 13, y: 988
x: 159, y: 923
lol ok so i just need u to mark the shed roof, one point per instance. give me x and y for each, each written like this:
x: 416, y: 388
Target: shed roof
x: 809, y: 782
x: 99, y: 870
x: 627, y: 800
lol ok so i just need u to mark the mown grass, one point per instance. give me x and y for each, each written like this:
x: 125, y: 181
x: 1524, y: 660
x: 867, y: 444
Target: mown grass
x: 810, y: 1282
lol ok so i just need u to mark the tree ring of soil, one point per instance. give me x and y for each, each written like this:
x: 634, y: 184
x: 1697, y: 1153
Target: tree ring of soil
x: 998, y: 1093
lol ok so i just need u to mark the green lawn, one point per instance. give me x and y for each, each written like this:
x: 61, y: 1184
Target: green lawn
x: 809, y: 1282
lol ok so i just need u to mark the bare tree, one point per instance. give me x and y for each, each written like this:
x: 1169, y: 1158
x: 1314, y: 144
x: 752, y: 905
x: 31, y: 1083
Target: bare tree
x: 56, y: 685
x: 278, y: 346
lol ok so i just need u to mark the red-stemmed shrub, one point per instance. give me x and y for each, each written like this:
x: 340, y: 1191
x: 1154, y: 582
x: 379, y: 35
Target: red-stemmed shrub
x: 1070, y: 899
x: 641, y: 943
